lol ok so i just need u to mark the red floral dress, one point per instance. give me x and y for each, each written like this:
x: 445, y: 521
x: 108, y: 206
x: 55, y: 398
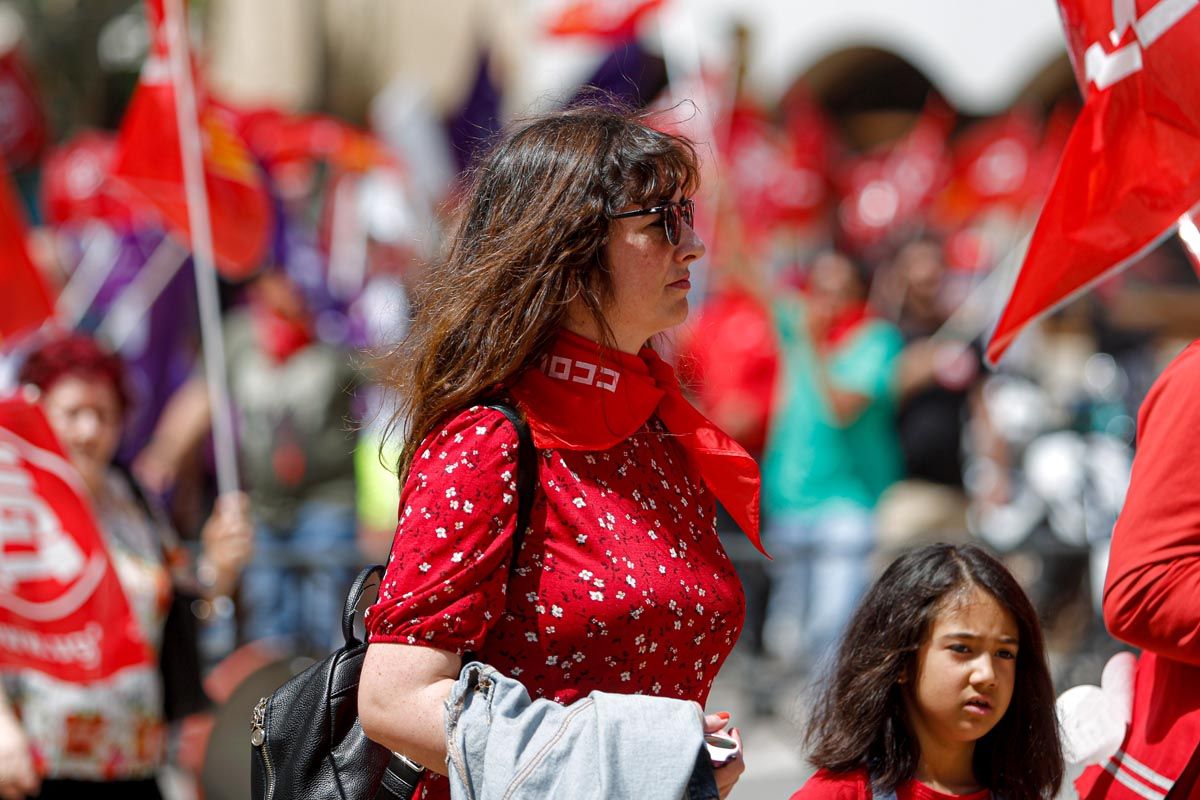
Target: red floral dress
x: 621, y: 585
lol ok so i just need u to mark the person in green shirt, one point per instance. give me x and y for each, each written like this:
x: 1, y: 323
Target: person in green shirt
x: 831, y: 450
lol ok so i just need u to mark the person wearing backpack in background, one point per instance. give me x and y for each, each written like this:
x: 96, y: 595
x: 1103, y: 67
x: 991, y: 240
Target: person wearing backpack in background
x: 573, y: 251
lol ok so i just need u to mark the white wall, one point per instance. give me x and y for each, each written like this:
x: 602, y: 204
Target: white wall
x: 979, y: 53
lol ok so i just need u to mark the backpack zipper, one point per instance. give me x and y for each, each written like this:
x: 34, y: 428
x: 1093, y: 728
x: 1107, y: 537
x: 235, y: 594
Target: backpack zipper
x: 258, y: 738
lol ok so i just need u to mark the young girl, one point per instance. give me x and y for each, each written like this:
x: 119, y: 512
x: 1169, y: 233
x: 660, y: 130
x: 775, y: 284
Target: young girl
x: 940, y: 690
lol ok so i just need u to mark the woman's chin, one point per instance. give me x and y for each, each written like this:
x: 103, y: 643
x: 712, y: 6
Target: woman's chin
x: 679, y: 313
x: 91, y: 472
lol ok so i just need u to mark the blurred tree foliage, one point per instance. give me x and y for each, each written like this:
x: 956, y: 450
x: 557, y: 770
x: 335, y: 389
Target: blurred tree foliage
x: 86, y: 55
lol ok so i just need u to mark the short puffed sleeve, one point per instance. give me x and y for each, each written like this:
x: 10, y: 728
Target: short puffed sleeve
x: 447, y: 575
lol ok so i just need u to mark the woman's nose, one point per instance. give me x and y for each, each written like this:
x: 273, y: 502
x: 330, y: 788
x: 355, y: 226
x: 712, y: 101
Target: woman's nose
x: 691, y: 247
x: 86, y: 425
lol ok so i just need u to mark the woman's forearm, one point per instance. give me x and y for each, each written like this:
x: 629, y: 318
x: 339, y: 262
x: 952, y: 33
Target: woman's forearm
x: 401, y: 700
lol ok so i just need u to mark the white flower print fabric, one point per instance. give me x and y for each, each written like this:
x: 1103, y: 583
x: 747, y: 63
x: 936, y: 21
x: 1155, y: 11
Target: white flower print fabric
x: 621, y: 585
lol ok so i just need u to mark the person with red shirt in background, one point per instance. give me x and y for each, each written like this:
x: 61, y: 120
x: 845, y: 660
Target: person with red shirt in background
x: 941, y: 689
x: 1150, y: 597
x: 574, y: 249
x: 728, y: 360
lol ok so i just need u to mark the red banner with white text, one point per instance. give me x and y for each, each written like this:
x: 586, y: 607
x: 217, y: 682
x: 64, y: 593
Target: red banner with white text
x: 62, y: 610
x: 1131, y: 167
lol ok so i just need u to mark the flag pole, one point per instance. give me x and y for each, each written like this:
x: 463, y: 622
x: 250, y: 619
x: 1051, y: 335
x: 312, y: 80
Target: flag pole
x: 348, y: 248
x: 978, y: 312
x: 192, y: 154
x: 97, y: 263
x: 1189, y: 234
x: 135, y: 301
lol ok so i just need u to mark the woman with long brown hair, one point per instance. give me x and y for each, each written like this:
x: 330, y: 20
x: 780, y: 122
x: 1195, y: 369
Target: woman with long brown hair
x: 573, y: 251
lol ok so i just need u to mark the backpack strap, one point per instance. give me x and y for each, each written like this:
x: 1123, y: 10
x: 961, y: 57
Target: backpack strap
x: 526, y: 474
x: 369, y: 578
x: 526, y: 482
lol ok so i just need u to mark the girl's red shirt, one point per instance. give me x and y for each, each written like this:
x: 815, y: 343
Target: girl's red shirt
x: 855, y: 785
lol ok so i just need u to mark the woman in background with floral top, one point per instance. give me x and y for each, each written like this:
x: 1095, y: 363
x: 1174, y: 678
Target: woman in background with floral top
x: 574, y: 249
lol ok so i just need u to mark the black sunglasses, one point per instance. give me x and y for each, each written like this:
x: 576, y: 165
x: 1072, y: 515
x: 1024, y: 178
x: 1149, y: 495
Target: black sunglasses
x: 673, y: 214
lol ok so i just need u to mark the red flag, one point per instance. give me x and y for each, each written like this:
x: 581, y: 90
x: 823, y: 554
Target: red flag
x: 76, y: 185
x: 777, y: 173
x: 885, y: 193
x: 62, y: 610
x: 1131, y: 167
x: 149, y: 164
x: 22, y: 122
x: 613, y: 20
x: 24, y: 300
x: 280, y: 140
x: 993, y: 166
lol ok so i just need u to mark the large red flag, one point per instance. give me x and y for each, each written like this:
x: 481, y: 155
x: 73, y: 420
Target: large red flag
x: 1131, y: 166
x: 149, y: 164
x: 24, y: 300
x: 62, y: 610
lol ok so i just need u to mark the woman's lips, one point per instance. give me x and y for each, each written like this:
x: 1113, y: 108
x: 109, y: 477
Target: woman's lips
x: 682, y: 283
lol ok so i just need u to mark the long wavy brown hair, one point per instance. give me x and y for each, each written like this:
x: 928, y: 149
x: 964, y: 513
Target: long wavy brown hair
x: 860, y: 721
x: 528, y: 243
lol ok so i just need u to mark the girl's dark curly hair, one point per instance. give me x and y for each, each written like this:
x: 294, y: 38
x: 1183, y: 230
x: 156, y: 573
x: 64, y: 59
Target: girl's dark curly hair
x: 859, y: 720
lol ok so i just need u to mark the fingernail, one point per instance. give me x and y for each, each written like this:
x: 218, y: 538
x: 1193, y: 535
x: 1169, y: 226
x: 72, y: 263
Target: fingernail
x: 723, y: 714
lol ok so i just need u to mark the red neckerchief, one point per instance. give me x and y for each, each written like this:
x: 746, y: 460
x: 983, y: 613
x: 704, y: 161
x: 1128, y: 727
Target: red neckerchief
x: 584, y: 396
x: 280, y: 337
x: 845, y: 323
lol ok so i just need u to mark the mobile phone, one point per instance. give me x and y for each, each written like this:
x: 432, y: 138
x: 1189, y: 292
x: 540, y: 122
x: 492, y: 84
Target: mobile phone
x: 722, y: 748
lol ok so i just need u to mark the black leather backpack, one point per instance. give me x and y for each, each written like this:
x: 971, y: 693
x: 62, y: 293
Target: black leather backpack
x: 306, y: 740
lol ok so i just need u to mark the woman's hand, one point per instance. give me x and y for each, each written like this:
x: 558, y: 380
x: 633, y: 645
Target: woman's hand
x: 18, y: 777
x: 728, y: 773
x: 228, y: 540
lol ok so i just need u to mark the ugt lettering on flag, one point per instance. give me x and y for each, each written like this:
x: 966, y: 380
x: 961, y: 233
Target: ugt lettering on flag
x: 62, y: 610
x: 1131, y: 167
